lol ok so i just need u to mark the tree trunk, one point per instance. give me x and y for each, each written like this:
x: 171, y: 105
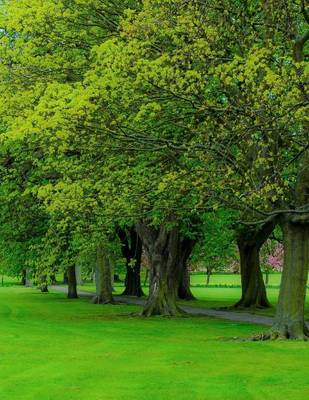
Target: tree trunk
x: 28, y: 277
x: 44, y: 287
x: 23, y: 277
x: 253, y: 288
x: 72, y: 285
x: 132, y: 249
x: 103, y: 278
x: 289, y: 320
x: 53, y: 279
x: 162, y: 247
x: 186, y: 247
x: 43, y: 284
x: 78, y: 273
x: 208, y: 276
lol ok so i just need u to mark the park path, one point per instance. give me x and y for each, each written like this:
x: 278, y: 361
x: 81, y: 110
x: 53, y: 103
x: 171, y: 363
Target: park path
x: 227, y: 315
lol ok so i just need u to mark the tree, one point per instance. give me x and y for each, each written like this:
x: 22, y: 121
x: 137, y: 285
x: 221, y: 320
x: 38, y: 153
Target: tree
x: 167, y: 109
x: 103, y: 277
x: 186, y: 246
x: 249, y: 243
x: 132, y: 249
x: 162, y: 247
x: 239, y: 101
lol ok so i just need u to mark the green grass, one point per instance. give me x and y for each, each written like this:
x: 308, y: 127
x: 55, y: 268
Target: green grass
x: 228, y: 279
x: 58, y: 349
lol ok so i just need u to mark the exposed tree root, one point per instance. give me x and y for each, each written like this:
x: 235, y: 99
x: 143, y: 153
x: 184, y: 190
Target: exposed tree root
x: 165, y: 310
x: 101, y: 300
x: 281, y: 334
x: 243, y: 304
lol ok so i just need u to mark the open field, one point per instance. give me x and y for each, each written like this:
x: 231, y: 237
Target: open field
x: 57, y: 349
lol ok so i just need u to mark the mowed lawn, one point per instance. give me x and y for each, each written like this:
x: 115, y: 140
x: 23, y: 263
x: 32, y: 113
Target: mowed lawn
x: 58, y: 349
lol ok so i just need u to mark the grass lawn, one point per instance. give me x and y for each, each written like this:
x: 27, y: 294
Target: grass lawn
x: 58, y: 349
x: 228, y: 279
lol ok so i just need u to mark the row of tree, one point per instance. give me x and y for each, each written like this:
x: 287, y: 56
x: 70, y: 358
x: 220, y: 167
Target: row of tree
x: 149, y: 116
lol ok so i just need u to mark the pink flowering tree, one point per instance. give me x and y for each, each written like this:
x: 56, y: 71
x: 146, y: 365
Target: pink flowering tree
x: 272, y: 258
x: 275, y: 260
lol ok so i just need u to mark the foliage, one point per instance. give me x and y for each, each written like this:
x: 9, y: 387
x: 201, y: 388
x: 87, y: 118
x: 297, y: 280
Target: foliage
x: 163, y: 111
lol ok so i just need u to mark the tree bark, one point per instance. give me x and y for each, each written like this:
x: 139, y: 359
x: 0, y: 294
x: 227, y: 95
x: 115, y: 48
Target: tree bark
x: 78, y: 273
x: 23, y: 277
x: 253, y: 287
x: 132, y: 249
x: 72, y: 285
x: 208, y: 276
x: 289, y: 320
x: 103, y: 278
x: 162, y: 247
x: 186, y: 247
x: 53, y: 279
x: 28, y: 277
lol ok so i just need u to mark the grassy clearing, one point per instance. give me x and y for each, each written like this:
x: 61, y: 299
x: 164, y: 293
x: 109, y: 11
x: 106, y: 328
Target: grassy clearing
x: 58, y: 349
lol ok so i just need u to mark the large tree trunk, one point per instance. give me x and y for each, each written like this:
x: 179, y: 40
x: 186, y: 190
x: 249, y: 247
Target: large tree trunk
x: 289, y: 320
x: 249, y: 243
x: 186, y: 247
x: 132, y: 251
x: 103, y: 278
x: 162, y: 247
x: 72, y: 285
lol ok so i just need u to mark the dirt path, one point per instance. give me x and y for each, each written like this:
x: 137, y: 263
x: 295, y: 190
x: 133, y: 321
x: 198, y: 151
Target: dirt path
x: 227, y: 315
